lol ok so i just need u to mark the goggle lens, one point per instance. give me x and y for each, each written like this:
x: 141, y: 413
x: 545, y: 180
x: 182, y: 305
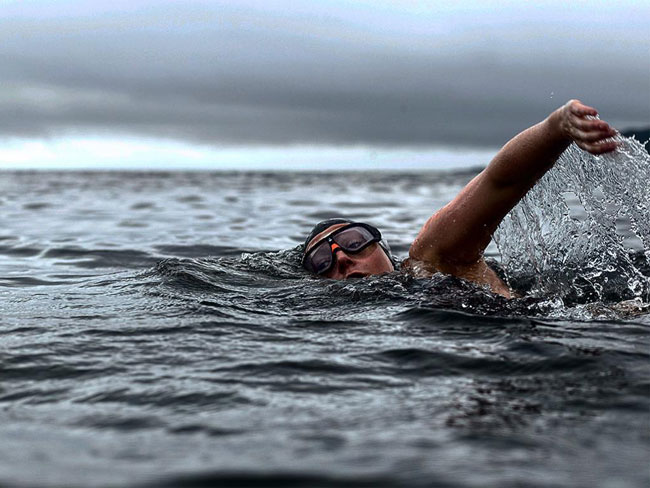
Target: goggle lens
x: 321, y: 258
x: 354, y: 239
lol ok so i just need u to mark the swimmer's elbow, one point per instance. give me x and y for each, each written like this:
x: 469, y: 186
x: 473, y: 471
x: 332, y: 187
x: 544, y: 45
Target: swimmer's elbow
x: 424, y: 250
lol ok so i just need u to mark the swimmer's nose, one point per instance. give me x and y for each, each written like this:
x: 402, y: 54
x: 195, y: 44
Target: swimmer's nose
x: 342, y: 259
x: 335, y: 248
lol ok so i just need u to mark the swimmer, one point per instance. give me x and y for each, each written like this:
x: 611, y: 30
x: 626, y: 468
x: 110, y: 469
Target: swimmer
x: 454, y: 238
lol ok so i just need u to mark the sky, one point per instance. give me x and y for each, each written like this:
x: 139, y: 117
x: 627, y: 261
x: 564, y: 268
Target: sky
x: 306, y: 84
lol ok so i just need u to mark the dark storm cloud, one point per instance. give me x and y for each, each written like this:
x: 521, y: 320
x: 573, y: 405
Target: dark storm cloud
x: 257, y: 74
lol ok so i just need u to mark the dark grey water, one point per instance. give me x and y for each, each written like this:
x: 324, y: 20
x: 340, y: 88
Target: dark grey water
x: 156, y: 329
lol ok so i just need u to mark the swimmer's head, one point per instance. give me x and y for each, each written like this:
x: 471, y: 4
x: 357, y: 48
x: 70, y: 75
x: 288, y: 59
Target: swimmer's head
x: 341, y: 249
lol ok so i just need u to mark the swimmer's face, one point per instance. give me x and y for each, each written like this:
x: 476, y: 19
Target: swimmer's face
x: 370, y: 261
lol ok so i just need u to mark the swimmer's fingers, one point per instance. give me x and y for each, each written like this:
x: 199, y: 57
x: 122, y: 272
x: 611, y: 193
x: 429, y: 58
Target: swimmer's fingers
x: 579, y: 109
x: 590, y: 130
x: 599, y: 147
x: 589, y: 133
x: 590, y: 125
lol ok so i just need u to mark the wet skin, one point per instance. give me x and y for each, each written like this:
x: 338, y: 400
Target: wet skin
x: 370, y: 261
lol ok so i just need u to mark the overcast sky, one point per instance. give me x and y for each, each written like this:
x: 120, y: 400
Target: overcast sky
x: 219, y: 83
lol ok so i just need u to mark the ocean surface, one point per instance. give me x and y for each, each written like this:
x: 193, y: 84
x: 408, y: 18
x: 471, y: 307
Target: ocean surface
x: 156, y: 329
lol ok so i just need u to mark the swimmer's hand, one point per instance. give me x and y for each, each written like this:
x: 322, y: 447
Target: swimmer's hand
x: 579, y: 123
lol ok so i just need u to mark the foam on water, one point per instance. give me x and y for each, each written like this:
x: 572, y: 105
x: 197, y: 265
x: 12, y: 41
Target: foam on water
x: 582, y: 233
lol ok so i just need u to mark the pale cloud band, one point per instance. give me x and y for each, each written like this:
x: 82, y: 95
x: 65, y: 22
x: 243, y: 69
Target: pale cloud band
x: 83, y: 153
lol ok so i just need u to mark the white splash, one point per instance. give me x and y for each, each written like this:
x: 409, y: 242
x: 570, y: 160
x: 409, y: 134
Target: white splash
x: 583, y: 232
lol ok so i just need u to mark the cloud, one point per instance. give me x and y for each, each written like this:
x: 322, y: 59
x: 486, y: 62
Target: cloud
x: 258, y: 73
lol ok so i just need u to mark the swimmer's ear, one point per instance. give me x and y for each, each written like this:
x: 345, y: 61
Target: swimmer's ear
x: 384, y: 245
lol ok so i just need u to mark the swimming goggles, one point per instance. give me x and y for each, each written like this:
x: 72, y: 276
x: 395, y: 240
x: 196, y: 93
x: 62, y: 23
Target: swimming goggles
x: 352, y: 239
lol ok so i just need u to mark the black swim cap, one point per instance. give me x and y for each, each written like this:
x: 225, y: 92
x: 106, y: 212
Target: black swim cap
x: 321, y: 226
x: 324, y: 224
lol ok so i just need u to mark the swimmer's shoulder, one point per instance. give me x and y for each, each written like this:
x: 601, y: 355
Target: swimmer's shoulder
x: 480, y: 273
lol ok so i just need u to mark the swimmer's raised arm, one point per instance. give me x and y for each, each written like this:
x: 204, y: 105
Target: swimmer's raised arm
x: 454, y: 238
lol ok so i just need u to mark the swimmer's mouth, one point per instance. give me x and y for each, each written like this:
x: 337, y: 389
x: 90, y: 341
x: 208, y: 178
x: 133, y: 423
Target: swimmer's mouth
x: 356, y: 274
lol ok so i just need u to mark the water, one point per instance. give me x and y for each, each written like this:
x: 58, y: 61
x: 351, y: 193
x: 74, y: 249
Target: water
x: 584, y: 228
x: 156, y: 330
